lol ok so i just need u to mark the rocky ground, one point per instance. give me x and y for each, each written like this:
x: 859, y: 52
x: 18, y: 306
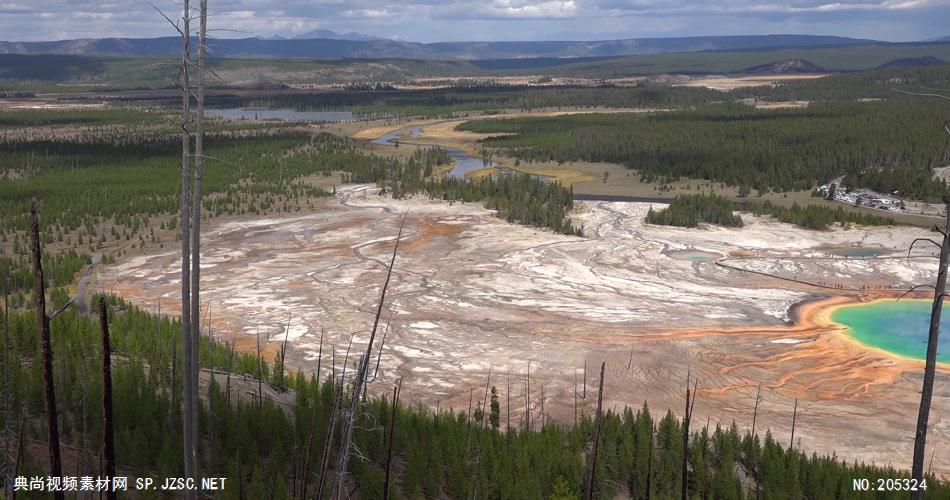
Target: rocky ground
x: 473, y: 295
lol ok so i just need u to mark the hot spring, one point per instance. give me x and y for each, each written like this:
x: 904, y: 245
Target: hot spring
x: 899, y: 327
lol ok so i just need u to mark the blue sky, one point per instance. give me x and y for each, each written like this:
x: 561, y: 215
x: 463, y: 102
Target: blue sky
x: 457, y: 20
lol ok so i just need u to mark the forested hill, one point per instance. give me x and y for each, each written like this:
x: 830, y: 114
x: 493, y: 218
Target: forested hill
x: 887, y: 145
x: 277, y: 446
x: 325, y: 48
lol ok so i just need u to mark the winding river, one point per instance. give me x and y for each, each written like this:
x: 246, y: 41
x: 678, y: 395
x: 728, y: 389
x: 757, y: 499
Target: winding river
x: 464, y: 162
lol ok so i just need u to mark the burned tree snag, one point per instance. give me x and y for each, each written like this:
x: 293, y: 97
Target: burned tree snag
x: 926, y: 393
x: 597, y: 428
x: 108, y: 438
x: 392, y: 431
x: 755, y: 412
x: 791, y: 444
x: 46, y: 350
x: 360, y: 380
x: 188, y: 387
x: 688, y: 415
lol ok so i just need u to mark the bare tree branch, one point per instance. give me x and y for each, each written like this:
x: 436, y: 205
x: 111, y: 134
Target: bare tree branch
x: 173, y: 23
x: 912, y: 289
x: 924, y: 240
x: 62, y: 308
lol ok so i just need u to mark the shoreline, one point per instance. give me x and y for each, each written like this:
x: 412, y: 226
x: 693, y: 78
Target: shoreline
x: 818, y: 313
x: 811, y: 317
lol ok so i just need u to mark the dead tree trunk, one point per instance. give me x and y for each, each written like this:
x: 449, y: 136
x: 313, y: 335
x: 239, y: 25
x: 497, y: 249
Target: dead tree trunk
x: 485, y: 399
x: 791, y: 444
x: 328, y: 442
x: 392, y: 432
x: 926, y: 393
x: 196, y: 238
x: 508, y: 402
x: 527, y: 399
x: 188, y: 392
x: 690, y: 402
x: 361, y: 374
x: 649, y: 488
x: 331, y: 430
x: 260, y: 371
x: 174, y: 388
x: 576, y: 395
x: 468, y: 415
x: 227, y: 389
x: 46, y: 351
x: 108, y: 438
x: 320, y: 356
x: 542, y: 405
x: 705, y: 463
x: 7, y: 397
x: 305, y: 472
x: 283, y: 351
x: 599, y: 424
x: 755, y: 412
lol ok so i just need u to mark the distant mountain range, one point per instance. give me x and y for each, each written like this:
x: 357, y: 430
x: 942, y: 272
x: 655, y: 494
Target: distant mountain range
x: 333, y: 35
x: 325, y: 44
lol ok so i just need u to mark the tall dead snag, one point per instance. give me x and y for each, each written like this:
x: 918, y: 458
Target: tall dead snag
x: 755, y: 412
x: 320, y: 356
x: 705, y: 462
x: 279, y: 370
x: 926, y: 393
x: 468, y: 414
x: 7, y: 399
x: 260, y: 371
x: 508, y: 402
x: 227, y: 389
x: 527, y: 399
x: 173, y: 414
x: 7, y: 392
x: 46, y: 349
x: 542, y: 405
x: 690, y: 402
x: 305, y: 470
x: 188, y: 382
x: 649, y: 487
x: 791, y: 444
x: 108, y: 438
x: 328, y: 440
x: 599, y: 424
x: 392, y: 432
x: 485, y: 399
x: 361, y: 374
x: 576, y: 395
x: 196, y: 236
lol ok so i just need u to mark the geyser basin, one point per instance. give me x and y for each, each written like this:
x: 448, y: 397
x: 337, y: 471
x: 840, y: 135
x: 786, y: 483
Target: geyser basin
x: 899, y: 327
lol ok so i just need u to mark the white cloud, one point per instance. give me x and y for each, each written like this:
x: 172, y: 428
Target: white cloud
x: 443, y: 20
x: 523, y: 8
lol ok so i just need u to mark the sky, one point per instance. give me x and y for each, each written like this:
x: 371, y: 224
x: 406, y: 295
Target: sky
x: 488, y: 20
